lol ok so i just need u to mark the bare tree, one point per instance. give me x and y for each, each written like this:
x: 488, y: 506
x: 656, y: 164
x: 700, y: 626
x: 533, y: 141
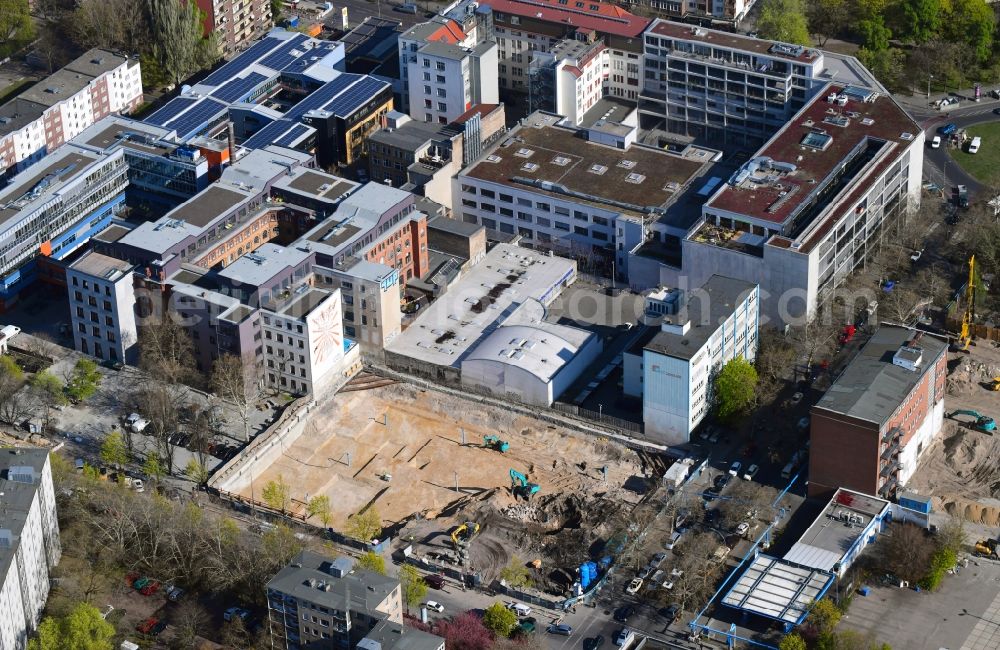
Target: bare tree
x: 775, y: 360
x: 166, y: 351
x: 161, y: 403
x: 748, y: 500
x: 905, y: 552
x: 901, y: 305
x: 694, y: 574
x: 238, y: 380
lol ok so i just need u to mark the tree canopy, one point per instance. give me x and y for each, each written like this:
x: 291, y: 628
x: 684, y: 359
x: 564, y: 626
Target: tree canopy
x: 499, y: 620
x: 735, y: 388
x: 82, y: 628
x: 785, y: 21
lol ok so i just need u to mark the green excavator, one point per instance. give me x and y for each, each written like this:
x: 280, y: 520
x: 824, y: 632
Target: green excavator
x: 521, y: 486
x: 982, y: 422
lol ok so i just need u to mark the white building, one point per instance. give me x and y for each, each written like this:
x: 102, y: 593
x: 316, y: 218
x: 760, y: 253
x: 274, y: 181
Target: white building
x: 569, y: 79
x: 446, y: 80
x: 370, y: 298
x: 304, y: 342
x: 101, y: 300
x: 676, y: 365
x: 29, y: 542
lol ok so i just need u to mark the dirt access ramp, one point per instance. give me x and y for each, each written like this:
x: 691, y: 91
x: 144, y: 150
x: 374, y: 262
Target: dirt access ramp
x: 415, y: 436
x: 962, y: 470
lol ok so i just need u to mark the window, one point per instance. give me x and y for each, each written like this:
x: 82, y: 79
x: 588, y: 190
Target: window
x: 442, y: 107
x: 440, y: 79
x: 440, y: 65
x: 441, y: 92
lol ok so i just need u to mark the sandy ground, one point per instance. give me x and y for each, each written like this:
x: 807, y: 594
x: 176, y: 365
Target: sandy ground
x: 961, y: 470
x: 416, y: 436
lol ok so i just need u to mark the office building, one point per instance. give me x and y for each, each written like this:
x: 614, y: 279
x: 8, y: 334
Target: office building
x: 418, y: 156
x: 446, y: 80
x: 828, y: 189
x: 568, y: 80
x: 672, y: 368
x: 870, y: 428
x: 235, y: 23
x: 585, y: 193
x: 56, y: 109
x: 721, y: 13
x: 102, y: 301
x: 370, y: 295
x: 524, y: 27
x: 321, y: 603
x: 29, y: 542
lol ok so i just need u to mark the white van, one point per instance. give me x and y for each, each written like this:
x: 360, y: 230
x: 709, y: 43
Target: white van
x: 974, y: 145
x: 520, y: 609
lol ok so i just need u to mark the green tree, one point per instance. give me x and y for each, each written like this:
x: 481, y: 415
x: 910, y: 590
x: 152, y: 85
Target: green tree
x: 827, y: 18
x: 196, y: 471
x: 516, y: 574
x: 16, y: 27
x: 783, y: 20
x: 8, y: 366
x: 735, y: 387
x: 178, y: 42
x: 84, y: 380
x: 887, y: 65
x: 113, y: 450
x: 49, y: 390
x: 372, y: 561
x: 824, y: 616
x: 81, y: 629
x: 277, y: 494
x: 918, y: 21
x: 319, y: 506
x: 412, y: 585
x: 153, y: 468
x: 874, y: 33
x: 792, y: 642
x: 499, y: 620
x: 942, y: 560
x: 365, y: 525
x: 972, y: 22
x: 276, y: 7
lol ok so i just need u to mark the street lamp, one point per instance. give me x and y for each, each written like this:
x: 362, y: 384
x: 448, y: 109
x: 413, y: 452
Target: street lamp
x: 929, y: 77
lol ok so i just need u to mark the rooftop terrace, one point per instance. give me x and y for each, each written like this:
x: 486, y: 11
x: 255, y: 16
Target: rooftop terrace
x: 816, y: 155
x: 559, y: 161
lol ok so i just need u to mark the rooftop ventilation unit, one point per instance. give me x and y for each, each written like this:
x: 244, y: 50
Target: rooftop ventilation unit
x: 524, y: 152
x: 493, y: 158
x: 906, y: 135
x: 627, y: 164
x: 597, y: 169
x: 562, y: 161
x: 529, y: 167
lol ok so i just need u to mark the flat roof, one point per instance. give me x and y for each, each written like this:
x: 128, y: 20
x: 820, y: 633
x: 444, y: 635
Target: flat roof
x: 412, y: 135
x: 112, y: 131
x: 304, y: 303
x: 316, y: 183
x: 668, y: 28
x: 541, y: 152
x: 95, y: 62
x: 454, y: 52
x: 585, y: 15
x: 540, y: 348
x: 454, y: 226
x: 112, y: 233
x: 387, y: 635
x: 832, y: 535
x: 42, y: 179
x: 260, y: 266
x: 208, y: 205
x: 101, y: 266
x: 810, y: 149
x: 872, y: 387
x: 485, y: 296
x: 367, y: 38
x: 707, y: 308
x: 608, y: 109
x: 308, y: 575
x: 778, y: 589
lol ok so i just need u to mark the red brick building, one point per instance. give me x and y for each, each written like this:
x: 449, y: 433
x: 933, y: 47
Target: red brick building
x: 870, y: 428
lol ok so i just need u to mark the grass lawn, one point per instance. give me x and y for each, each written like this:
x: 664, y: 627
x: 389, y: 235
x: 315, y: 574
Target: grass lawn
x: 985, y: 165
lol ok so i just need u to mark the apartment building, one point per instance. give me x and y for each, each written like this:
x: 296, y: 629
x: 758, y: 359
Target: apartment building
x: 726, y: 87
x: 29, y: 542
x: 236, y: 23
x: 569, y: 79
x: 101, y: 302
x: 696, y: 12
x: 868, y: 431
x: 524, y: 27
x: 586, y: 193
x: 672, y: 368
x: 322, y: 603
x: 813, y: 203
x: 370, y: 295
x: 418, y: 156
x: 56, y: 109
x: 446, y: 80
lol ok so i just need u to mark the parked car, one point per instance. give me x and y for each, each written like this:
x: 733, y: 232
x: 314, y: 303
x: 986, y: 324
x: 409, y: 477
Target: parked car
x: 624, y: 636
x: 803, y: 423
x: 947, y: 129
x: 634, y: 586
x: 561, y: 629
x: 145, y: 627
x: 519, y: 608
x: 673, y: 540
x: 174, y: 594
x: 136, y: 423
x: 751, y: 472
x: 434, y: 581
x: 150, y: 588
x: 657, y: 559
x: 623, y: 613
x: 644, y: 572
x: 670, y: 613
x: 734, y: 469
x: 721, y: 481
x: 593, y: 643
x: 236, y: 612
x: 159, y: 627
x: 526, y: 626
x: 137, y: 485
x: 407, y: 8
x: 742, y: 529
x: 435, y: 606
x: 714, y: 438
x: 935, y: 142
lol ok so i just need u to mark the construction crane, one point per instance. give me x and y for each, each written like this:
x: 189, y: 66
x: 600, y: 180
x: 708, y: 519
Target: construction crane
x: 982, y: 422
x: 965, y: 335
x: 462, y: 535
x: 520, y: 486
x: 494, y: 442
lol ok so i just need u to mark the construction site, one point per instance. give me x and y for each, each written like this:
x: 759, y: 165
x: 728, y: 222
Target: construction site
x: 433, y: 464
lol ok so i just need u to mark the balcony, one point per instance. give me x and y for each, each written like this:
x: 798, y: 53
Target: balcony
x: 891, y: 451
x: 895, y: 432
x: 891, y: 468
x: 889, y: 488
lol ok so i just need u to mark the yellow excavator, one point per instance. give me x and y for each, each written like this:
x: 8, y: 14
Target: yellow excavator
x: 462, y: 535
x: 995, y: 386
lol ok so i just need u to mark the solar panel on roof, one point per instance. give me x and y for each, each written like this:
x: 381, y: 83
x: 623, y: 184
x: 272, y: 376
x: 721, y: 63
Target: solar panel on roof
x: 296, y: 132
x: 267, y: 135
x: 191, y: 121
x: 355, y: 96
x: 242, y: 62
x: 172, y: 109
x: 322, y: 95
x: 238, y: 89
x: 282, y: 56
